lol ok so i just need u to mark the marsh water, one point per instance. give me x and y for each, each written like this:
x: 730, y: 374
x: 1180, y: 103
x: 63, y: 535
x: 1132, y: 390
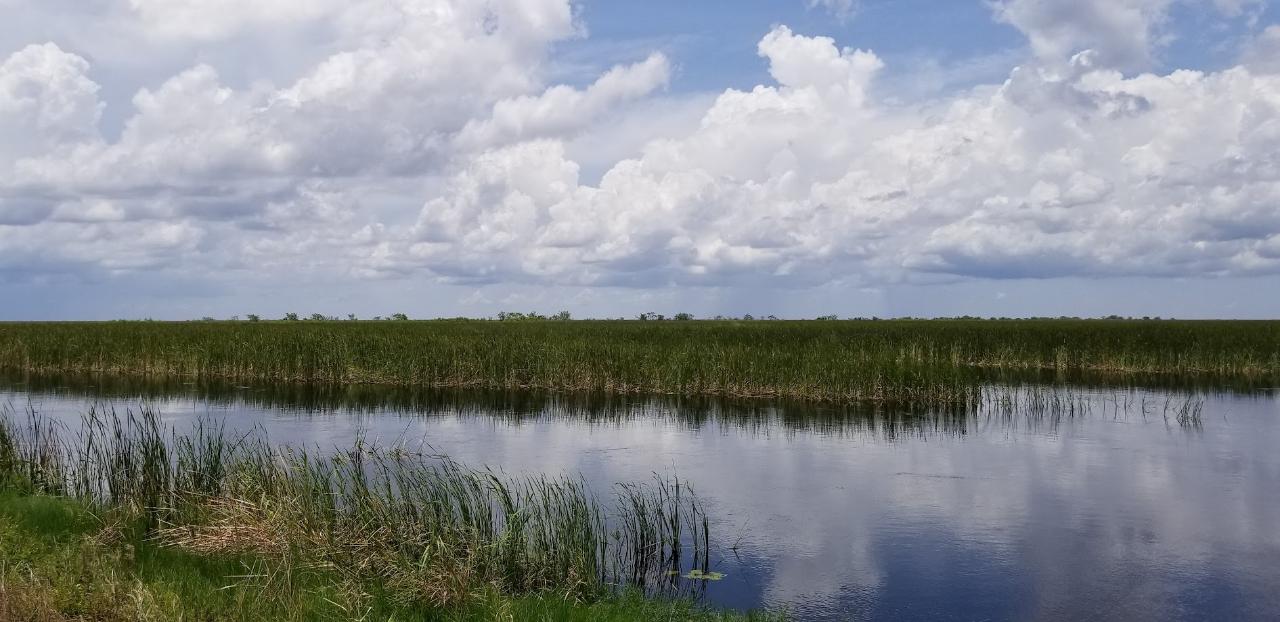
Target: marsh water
x: 1083, y: 501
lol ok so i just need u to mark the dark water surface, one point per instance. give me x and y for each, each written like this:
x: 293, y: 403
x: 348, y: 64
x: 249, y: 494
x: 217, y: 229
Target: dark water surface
x: 1070, y: 503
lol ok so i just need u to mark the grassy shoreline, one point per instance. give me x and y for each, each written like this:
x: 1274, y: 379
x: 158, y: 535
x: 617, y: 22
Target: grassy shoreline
x: 833, y: 361
x: 60, y: 562
x: 123, y: 518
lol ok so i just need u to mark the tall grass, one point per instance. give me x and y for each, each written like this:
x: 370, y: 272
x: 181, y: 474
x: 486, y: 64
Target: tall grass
x: 932, y: 361
x: 417, y: 527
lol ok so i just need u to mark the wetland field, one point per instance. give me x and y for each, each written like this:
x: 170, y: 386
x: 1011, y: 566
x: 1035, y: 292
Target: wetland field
x: 639, y: 470
x: 835, y: 361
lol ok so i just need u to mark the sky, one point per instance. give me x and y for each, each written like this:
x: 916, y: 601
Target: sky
x: 175, y: 159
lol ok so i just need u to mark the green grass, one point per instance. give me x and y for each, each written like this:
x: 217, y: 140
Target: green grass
x: 126, y: 519
x: 930, y: 361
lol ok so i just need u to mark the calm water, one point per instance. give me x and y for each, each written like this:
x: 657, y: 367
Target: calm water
x: 1110, y: 510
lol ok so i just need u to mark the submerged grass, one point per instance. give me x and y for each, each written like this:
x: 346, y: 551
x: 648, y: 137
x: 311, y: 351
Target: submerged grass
x: 901, y: 360
x: 156, y: 524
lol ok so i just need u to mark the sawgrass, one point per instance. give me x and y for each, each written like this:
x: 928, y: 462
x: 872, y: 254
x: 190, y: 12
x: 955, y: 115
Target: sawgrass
x: 902, y: 361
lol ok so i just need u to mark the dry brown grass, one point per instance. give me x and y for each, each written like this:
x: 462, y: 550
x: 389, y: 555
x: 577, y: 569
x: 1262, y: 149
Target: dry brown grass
x: 25, y: 600
x: 232, y: 527
x: 445, y: 576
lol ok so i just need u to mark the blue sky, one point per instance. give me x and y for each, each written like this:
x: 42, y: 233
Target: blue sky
x: 716, y: 47
x: 184, y: 158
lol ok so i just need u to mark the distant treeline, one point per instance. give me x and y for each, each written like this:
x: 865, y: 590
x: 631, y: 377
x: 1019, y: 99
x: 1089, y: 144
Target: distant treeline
x: 892, y: 360
x: 565, y: 316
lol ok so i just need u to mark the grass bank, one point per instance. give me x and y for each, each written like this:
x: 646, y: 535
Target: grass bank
x: 60, y: 562
x: 929, y: 361
x: 125, y: 519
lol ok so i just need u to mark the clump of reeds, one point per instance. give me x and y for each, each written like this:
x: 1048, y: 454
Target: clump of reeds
x: 32, y: 458
x: 1188, y: 413
x: 406, y: 522
x: 1049, y: 406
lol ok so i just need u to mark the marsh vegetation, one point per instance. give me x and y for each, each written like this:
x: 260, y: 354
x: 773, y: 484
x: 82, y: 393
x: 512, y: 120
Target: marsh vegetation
x: 840, y: 361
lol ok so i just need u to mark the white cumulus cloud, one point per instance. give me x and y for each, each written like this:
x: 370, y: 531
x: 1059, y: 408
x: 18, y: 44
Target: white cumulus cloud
x: 1075, y: 170
x: 47, y: 101
x: 1122, y: 32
